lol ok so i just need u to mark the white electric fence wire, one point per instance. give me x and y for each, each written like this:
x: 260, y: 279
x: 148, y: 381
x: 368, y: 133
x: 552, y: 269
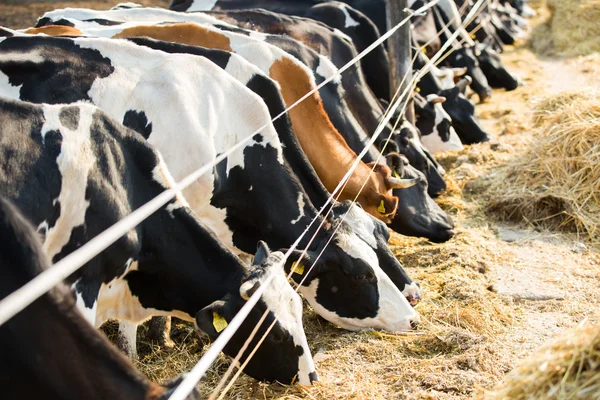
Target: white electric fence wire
x: 388, y: 116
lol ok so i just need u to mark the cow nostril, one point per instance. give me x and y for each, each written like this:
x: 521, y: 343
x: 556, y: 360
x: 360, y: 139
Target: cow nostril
x: 313, y: 377
x: 414, y: 323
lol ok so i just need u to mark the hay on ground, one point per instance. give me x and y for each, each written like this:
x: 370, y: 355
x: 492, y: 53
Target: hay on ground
x: 556, y: 184
x: 568, y: 368
x: 572, y: 29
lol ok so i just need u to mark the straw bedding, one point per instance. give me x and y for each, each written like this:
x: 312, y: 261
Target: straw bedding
x: 572, y: 28
x: 556, y: 184
x: 568, y: 368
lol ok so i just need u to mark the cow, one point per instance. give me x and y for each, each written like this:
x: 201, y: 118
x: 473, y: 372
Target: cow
x: 497, y: 75
x: 49, y: 350
x: 254, y: 194
x: 74, y: 172
x: 460, y: 109
x: 435, y: 125
x: 315, y: 131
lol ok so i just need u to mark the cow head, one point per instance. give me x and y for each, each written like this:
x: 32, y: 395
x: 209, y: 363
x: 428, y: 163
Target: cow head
x: 494, y: 70
x: 382, y: 203
x: 462, y: 112
x: 437, y: 133
x: 284, y: 354
x: 466, y: 57
x: 353, y: 280
x: 409, y: 144
x: 418, y: 215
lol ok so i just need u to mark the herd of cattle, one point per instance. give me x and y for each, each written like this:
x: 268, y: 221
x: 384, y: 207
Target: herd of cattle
x: 101, y: 111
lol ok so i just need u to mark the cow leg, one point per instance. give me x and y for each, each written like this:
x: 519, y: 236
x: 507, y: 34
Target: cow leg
x: 159, y: 330
x: 126, y: 339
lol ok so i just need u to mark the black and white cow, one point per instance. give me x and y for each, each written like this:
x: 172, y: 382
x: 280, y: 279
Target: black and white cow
x: 74, y: 172
x: 254, y: 194
x: 460, y: 109
x: 49, y: 350
x: 435, y: 125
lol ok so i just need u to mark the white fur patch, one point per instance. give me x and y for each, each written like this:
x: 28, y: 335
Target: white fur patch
x: 394, y: 314
x: 7, y: 89
x: 349, y: 22
x: 75, y: 162
x: 445, y: 76
x: 88, y: 313
x: 128, y: 333
x: 258, y: 35
x: 301, y: 205
x: 202, y: 5
x: 327, y: 69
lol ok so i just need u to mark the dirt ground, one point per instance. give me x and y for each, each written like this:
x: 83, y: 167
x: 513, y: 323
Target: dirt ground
x: 494, y: 293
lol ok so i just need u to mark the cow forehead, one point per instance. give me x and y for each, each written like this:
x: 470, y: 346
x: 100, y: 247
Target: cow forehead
x: 362, y: 225
x: 282, y: 300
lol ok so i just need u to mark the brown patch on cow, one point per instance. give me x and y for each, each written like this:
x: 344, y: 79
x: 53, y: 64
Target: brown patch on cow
x: 184, y: 33
x: 325, y: 147
x: 54, y: 30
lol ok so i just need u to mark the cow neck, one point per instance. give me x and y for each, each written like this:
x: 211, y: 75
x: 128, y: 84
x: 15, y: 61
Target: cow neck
x: 300, y: 166
x: 86, y: 365
x: 335, y: 99
x: 320, y: 141
x: 189, y: 266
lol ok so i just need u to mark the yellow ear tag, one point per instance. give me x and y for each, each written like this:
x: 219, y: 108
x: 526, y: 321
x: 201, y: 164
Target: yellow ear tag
x: 424, y: 50
x: 297, y: 268
x: 219, y: 322
x: 396, y: 174
x: 418, y: 89
x: 381, y: 207
x: 473, y: 36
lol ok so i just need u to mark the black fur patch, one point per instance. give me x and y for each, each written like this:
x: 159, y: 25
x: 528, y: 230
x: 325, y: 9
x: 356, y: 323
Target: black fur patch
x: 138, y: 121
x: 69, y: 117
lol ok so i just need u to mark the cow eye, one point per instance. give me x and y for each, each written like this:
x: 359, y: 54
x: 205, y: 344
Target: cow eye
x: 365, y: 278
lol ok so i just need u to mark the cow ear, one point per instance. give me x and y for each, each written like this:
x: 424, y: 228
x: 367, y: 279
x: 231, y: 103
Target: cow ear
x: 213, y: 318
x: 262, y: 253
x: 387, y: 205
x: 300, y: 268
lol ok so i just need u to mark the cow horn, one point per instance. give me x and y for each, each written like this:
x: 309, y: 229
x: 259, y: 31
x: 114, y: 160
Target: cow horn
x: 248, y: 288
x: 399, y: 183
x: 464, y: 82
x: 438, y: 99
